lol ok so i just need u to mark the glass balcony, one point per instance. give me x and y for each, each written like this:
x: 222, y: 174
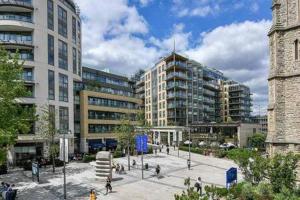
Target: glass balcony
x: 17, y: 3
x: 171, y: 85
x: 177, y: 64
x: 176, y: 95
x: 177, y: 75
x: 16, y: 17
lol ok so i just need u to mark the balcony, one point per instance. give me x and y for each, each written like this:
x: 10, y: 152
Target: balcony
x: 140, y: 89
x: 176, y: 95
x: 177, y: 75
x: 141, y: 82
x: 16, y: 44
x: 171, y: 85
x: 16, y: 5
x: 211, y: 85
x: 177, y: 64
x: 176, y: 105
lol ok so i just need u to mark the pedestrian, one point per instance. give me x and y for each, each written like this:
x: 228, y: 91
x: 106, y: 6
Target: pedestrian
x: 198, y: 185
x: 168, y: 150
x: 122, y: 171
x: 157, y: 170
x: 93, y: 195
x: 155, y: 150
x: 133, y: 163
x: 189, y: 163
x: 174, y: 146
x: 117, y: 168
x: 108, y: 185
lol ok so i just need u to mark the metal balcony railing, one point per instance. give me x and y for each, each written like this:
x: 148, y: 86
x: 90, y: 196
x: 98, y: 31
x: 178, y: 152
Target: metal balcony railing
x: 16, y: 17
x: 25, y: 3
x: 16, y: 42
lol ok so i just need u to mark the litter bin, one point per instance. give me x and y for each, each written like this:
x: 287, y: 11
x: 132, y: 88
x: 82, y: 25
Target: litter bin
x: 146, y: 166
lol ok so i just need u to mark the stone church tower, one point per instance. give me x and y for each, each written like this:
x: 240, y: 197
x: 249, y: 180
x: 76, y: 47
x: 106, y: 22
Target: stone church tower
x: 284, y: 78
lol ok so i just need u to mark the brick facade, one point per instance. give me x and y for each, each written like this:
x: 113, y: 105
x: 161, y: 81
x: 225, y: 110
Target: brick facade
x: 284, y: 78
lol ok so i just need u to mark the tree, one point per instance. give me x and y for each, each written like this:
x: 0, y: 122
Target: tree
x: 126, y: 135
x: 189, y: 194
x: 257, y: 140
x: 14, y: 117
x: 49, y: 132
x: 282, y: 171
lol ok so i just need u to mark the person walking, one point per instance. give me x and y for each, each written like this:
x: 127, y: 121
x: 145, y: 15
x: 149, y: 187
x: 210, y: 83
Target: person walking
x: 93, y: 195
x: 198, y: 185
x: 133, y: 163
x: 117, y: 168
x: 189, y: 163
x: 108, y: 185
x: 157, y: 170
x: 168, y: 150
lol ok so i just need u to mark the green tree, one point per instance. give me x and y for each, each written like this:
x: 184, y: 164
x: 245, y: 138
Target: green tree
x: 257, y: 140
x: 189, y: 194
x: 14, y: 118
x: 126, y: 135
x: 49, y: 132
x: 282, y: 171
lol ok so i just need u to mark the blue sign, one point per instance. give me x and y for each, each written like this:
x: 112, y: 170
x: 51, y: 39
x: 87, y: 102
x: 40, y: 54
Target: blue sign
x: 231, y: 176
x: 141, y: 143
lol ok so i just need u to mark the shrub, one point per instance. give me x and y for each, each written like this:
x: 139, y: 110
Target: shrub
x: 89, y: 158
x: 117, y: 154
x: 220, y: 153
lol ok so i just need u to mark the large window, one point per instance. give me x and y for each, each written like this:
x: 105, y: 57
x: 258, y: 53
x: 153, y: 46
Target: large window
x: 51, y: 85
x: 62, y: 22
x: 111, y: 103
x: 50, y: 50
x: 74, y: 36
x: 63, y: 118
x: 110, y: 115
x: 101, y: 128
x: 52, y: 115
x: 63, y: 87
x: 27, y: 74
x: 50, y: 15
x: 79, y: 63
x: 62, y: 55
x: 74, y: 54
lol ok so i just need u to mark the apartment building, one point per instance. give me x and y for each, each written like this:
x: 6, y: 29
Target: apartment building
x: 102, y: 100
x: 48, y: 36
x: 236, y: 102
x: 182, y: 92
x: 262, y: 120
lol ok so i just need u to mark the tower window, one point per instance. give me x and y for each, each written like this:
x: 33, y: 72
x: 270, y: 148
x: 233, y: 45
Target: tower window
x: 296, y: 50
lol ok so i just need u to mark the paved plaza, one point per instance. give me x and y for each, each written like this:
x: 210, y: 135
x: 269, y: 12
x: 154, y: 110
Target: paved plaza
x: 128, y: 186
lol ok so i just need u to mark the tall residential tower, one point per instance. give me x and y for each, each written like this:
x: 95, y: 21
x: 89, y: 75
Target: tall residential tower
x: 47, y: 34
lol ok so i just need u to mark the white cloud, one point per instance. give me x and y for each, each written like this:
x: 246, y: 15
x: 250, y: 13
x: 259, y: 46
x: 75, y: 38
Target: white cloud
x: 145, y: 3
x: 240, y: 50
x: 116, y: 36
x: 192, y: 8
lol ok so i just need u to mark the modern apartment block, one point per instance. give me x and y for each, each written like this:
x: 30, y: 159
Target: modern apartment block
x: 236, y: 101
x: 105, y: 99
x: 262, y: 120
x: 47, y: 34
x: 180, y: 92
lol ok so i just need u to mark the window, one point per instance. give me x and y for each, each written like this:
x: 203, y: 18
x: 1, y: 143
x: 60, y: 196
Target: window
x: 52, y: 115
x: 27, y: 74
x: 51, y: 85
x: 74, y: 60
x: 296, y: 50
x: 62, y: 22
x: 50, y: 15
x: 63, y: 118
x: 62, y: 55
x: 79, y: 63
x: 50, y: 50
x: 63, y: 87
x: 74, y: 36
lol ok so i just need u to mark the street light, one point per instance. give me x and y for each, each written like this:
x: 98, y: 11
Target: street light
x: 64, y: 160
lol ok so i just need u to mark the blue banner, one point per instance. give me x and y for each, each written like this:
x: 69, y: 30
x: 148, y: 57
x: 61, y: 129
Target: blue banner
x: 141, y: 143
x: 231, y: 176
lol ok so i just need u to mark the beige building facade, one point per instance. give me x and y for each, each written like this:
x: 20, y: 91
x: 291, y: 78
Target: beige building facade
x: 47, y: 34
x: 284, y: 78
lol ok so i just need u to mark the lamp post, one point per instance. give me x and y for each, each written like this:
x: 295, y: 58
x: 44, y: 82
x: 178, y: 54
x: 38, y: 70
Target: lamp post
x: 64, y: 160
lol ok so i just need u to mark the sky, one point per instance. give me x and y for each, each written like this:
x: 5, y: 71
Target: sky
x: 229, y: 35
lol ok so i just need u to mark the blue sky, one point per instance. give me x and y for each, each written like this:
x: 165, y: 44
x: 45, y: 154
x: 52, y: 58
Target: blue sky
x: 229, y: 35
